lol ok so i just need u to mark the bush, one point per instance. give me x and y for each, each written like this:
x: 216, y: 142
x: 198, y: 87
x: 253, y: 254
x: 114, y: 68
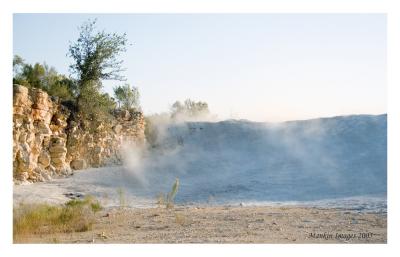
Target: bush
x: 93, y: 105
x: 127, y: 97
x: 88, y: 201
x: 60, y: 90
x: 44, y: 77
x: 74, y: 216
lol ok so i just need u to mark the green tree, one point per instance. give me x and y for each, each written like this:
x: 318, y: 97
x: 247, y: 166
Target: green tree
x: 95, y: 55
x: 18, y: 67
x: 35, y: 75
x: 95, y: 58
x: 18, y: 63
x: 127, y: 97
x: 25, y: 74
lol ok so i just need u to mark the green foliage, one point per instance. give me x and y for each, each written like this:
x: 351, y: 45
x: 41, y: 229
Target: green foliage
x: 87, y: 201
x: 61, y: 89
x: 94, y: 105
x: 95, y: 59
x: 168, y: 200
x: 189, y: 109
x: 95, y: 54
x: 127, y: 97
x: 18, y: 62
x: 171, y: 195
x: 28, y: 75
x: 74, y: 216
x: 18, y: 65
x: 44, y: 77
x: 96, y: 206
x: 34, y: 74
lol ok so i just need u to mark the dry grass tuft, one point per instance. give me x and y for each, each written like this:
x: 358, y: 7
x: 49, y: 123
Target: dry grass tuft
x: 180, y: 219
x: 37, y: 219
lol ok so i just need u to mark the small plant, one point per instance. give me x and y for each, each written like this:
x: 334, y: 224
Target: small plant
x: 121, y: 196
x: 180, y: 219
x: 168, y: 199
x: 171, y: 195
x: 96, y: 206
x: 160, y: 199
x: 88, y: 201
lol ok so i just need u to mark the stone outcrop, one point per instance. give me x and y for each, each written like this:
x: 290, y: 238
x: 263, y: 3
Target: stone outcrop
x: 46, y: 144
x: 100, y: 144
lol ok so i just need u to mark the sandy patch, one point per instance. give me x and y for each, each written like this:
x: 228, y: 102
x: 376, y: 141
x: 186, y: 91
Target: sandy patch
x: 227, y: 224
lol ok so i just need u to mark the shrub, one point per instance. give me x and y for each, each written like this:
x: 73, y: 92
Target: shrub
x: 88, y: 201
x: 127, y: 97
x: 94, y: 105
x: 74, y: 216
x: 44, y: 77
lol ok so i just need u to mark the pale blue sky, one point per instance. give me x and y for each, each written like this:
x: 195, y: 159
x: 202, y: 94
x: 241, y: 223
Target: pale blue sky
x: 263, y: 67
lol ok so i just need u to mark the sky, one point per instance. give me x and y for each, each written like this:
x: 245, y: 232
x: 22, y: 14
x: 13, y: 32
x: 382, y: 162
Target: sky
x: 261, y: 67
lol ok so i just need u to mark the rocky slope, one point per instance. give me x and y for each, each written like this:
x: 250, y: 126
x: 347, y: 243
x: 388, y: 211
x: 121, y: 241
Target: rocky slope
x: 47, y: 144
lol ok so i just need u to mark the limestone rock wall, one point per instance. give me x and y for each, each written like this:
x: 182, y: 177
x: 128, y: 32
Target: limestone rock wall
x: 100, y: 144
x: 46, y: 145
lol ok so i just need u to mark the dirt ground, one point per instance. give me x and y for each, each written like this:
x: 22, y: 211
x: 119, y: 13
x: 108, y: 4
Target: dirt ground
x: 227, y: 225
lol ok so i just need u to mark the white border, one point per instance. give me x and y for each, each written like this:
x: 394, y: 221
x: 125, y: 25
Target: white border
x: 201, y: 6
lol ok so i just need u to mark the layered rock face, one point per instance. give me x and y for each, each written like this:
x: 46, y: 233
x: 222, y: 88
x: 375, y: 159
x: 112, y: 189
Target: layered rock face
x: 45, y: 145
x: 99, y: 144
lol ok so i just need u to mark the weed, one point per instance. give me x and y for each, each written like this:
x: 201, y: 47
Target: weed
x: 96, y: 206
x: 168, y: 200
x: 160, y: 199
x: 73, y: 216
x: 180, y: 219
x: 121, y: 195
x: 87, y: 201
x: 171, y: 195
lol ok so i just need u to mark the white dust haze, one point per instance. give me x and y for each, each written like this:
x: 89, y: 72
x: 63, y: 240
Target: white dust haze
x: 241, y: 161
x: 331, y: 161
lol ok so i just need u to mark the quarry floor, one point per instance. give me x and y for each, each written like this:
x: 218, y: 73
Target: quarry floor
x: 227, y: 224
